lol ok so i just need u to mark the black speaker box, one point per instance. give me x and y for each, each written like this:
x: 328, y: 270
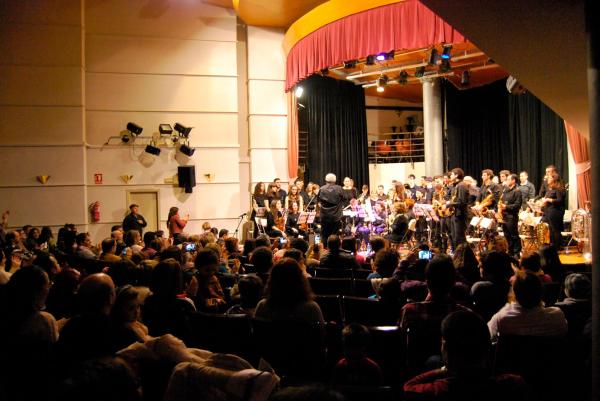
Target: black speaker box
x: 186, y: 177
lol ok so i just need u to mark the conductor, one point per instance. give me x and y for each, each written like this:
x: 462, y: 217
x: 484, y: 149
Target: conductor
x: 331, y: 199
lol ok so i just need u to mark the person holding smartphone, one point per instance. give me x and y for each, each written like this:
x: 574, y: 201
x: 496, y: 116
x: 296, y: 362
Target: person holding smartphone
x: 176, y: 224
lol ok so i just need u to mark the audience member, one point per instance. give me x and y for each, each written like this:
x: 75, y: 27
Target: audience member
x: 466, y: 264
x: 84, y: 245
x: 551, y: 263
x: 577, y: 306
x: 531, y: 262
x: 356, y: 368
x: 491, y: 294
x: 210, y: 296
x: 125, y: 316
x: 337, y: 258
x: 109, y: 249
x: 250, y: 288
x: 385, y: 263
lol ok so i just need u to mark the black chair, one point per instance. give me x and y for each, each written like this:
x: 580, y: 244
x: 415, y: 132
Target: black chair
x: 368, y: 311
x: 362, y: 288
x: 544, y: 363
x: 388, y: 350
x: 323, y: 272
x: 551, y: 293
x: 331, y: 286
x: 230, y: 334
x: 360, y: 273
x: 293, y: 348
x: 371, y: 393
x: 331, y: 306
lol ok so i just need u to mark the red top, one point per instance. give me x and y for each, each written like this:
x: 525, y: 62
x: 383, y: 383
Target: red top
x: 176, y: 225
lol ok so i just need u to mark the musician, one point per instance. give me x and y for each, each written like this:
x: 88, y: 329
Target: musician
x: 292, y: 228
x: 259, y: 200
x: 459, y: 200
x: 330, y: 198
x: 503, y: 176
x: 365, y: 194
x: 544, y: 187
x: 300, y: 184
x: 554, y: 209
x: 527, y: 189
x: 349, y: 191
x: 379, y: 225
x: 294, y: 196
x: 412, y: 185
x: 359, y: 227
x: 312, y: 190
x: 399, y: 228
x: 511, y: 204
x: 275, y: 223
x: 281, y: 194
x: 380, y: 195
x: 272, y: 193
x: 488, y: 187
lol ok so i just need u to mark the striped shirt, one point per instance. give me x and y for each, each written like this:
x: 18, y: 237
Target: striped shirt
x: 513, y: 319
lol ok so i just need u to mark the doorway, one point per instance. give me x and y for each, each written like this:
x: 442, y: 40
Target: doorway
x: 148, y: 202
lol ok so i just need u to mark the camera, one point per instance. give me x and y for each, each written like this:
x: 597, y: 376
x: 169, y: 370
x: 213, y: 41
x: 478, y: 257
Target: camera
x: 317, y: 239
x: 282, y: 241
x: 425, y: 255
x: 190, y: 247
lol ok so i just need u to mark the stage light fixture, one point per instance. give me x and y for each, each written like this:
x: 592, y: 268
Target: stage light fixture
x: 465, y: 78
x: 134, y: 128
x: 299, y: 91
x: 125, y: 137
x: 325, y: 72
x: 370, y: 60
x: 183, y: 130
x: 382, y: 82
x: 433, y: 57
x: 186, y: 150
x: 381, y: 57
x: 153, y: 150
x: 350, y: 64
x: 420, y: 71
x: 165, y: 129
x: 446, y: 55
x: 402, y: 78
x: 445, y: 66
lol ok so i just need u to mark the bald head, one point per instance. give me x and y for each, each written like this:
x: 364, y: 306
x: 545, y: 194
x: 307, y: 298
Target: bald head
x: 96, y: 294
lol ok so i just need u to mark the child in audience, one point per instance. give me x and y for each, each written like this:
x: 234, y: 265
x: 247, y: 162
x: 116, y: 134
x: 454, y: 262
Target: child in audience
x: 356, y: 368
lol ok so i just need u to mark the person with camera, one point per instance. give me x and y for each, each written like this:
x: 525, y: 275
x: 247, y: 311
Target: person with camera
x: 176, y: 224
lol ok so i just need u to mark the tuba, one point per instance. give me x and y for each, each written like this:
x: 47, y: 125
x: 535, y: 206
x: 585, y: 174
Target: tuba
x: 542, y: 233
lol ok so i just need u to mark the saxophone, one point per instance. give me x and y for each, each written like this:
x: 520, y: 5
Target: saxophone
x: 498, y: 215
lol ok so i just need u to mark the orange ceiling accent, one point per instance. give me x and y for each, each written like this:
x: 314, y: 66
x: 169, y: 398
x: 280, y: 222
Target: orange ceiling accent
x: 273, y: 13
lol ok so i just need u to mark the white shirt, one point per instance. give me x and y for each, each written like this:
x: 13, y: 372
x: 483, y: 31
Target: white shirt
x: 513, y: 319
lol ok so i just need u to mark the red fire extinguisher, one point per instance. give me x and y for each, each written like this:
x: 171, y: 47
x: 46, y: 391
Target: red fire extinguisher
x: 95, y: 211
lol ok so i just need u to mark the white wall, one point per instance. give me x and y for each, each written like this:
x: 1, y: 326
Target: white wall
x: 384, y: 174
x: 74, y: 72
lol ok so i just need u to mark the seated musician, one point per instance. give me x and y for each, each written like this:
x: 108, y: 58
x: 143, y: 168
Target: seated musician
x: 274, y: 217
x: 292, y: 228
x: 399, y: 228
x: 359, y: 227
x: 365, y: 195
x: 378, y: 226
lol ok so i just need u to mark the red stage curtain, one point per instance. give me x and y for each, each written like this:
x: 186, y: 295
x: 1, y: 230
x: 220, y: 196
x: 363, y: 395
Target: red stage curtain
x: 292, y: 135
x: 369, y: 32
x: 579, y: 147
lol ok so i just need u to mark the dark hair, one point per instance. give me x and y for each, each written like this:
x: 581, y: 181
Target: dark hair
x: 496, y: 267
x: 287, y: 285
x: 556, y: 181
x: 466, y: 336
x: 115, y: 228
x: 22, y: 292
x: 214, y: 230
x: 295, y: 254
x: 504, y: 172
x: 514, y: 177
x: 465, y: 263
x: 578, y: 286
x: 172, y: 252
x: 257, y: 190
x: 355, y: 336
x: 249, y: 246
x: 263, y: 240
x: 532, y: 262
x: 167, y: 279
x: 551, y: 262
x: 528, y: 289
x: 262, y: 259
x: 45, y: 235
x: 489, y: 172
x: 231, y: 245
x: 300, y: 244
x: 377, y: 243
x: 149, y: 236
x: 333, y: 243
x: 386, y: 262
x: 172, y: 212
x: 130, y: 237
x: 206, y: 257
x: 349, y: 244
x: 458, y: 172
x: 133, y: 205
x: 251, y: 290
x: 80, y: 238
x: 223, y: 232
x: 123, y: 272
x: 440, y: 275
x: 107, y: 244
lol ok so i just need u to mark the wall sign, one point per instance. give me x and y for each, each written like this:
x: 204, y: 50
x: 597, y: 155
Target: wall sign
x: 98, y: 178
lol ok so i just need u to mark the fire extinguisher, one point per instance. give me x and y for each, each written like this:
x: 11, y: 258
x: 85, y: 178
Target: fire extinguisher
x: 95, y: 211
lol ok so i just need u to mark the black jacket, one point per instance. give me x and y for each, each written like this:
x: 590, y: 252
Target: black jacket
x: 130, y: 222
x: 331, y: 199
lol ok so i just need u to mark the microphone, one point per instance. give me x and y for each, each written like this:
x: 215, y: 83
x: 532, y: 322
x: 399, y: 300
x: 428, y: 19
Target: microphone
x: 242, y: 215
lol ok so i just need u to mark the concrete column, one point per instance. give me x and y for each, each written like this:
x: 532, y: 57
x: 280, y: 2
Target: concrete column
x: 432, y: 122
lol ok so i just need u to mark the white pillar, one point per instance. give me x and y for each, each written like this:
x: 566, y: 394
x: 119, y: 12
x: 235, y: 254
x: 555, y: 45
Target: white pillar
x: 432, y: 123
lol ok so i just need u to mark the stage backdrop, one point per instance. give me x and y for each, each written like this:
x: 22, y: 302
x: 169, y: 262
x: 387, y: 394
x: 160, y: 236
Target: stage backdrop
x: 337, y: 130
x: 490, y: 128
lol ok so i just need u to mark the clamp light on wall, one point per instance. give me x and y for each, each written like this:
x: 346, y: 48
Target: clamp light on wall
x: 183, y: 130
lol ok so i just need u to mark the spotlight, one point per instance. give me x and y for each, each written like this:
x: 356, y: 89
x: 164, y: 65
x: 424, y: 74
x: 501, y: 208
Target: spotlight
x: 385, y: 56
x: 186, y: 150
x: 420, y: 71
x: 380, y: 57
x: 433, y: 56
x: 350, y: 64
x: 370, y: 60
x: 382, y: 82
x: 153, y: 150
x: 125, y: 138
x: 465, y: 78
x: 403, y: 78
x: 325, y: 72
x: 446, y: 52
x: 445, y: 65
x: 299, y: 91
x: 165, y: 129
x: 175, y: 138
x: 134, y: 128
x: 183, y: 131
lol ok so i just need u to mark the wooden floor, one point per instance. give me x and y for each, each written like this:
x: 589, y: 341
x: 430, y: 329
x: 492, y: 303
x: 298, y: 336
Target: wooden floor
x: 572, y: 258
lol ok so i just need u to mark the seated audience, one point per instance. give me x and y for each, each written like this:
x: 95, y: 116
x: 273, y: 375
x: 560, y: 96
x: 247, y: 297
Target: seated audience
x: 298, y: 256
x: 577, y: 306
x: 288, y: 295
x: 385, y: 263
x: 125, y: 316
x: 356, y: 368
x: 531, y: 262
x: 250, y: 288
x: 109, y: 249
x: 262, y: 259
x: 84, y: 246
x: 527, y: 316
x: 551, y: 263
x: 210, y: 296
x: 466, y: 374
x: 466, y: 264
x: 491, y: 294
x: 337, y: 258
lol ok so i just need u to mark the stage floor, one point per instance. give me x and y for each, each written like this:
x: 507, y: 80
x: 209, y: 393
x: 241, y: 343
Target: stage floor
x: 572, y: 258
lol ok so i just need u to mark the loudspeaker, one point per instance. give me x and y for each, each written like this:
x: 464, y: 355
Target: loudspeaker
x: 187, y: 177
x: 514, y: 87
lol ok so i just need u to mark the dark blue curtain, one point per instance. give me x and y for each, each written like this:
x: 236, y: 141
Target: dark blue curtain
x: 337, y: 130
x: 489, y: 128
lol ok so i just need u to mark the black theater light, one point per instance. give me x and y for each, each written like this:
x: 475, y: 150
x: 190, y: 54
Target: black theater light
x: 465, y: 78
x: 446, y: 55
x: 134, y: 128
x: 419, y: 72
x: 183, y: 130
x: 433, y: 57
x: 445, y: 65
x: 350, y: 64
x: 186, y: 150
x: 370, y: 60
x: 402, y: 78
x: 153, y: 150
x: 165, y: 129
x: 125, y: 137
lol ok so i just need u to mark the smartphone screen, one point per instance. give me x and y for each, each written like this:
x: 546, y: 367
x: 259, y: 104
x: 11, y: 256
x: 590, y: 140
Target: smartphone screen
x: 425, y: 255
x: 317, y: 239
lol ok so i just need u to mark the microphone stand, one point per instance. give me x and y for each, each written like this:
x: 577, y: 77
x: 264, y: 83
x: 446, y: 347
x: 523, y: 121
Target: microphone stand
x: 241, y: 217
